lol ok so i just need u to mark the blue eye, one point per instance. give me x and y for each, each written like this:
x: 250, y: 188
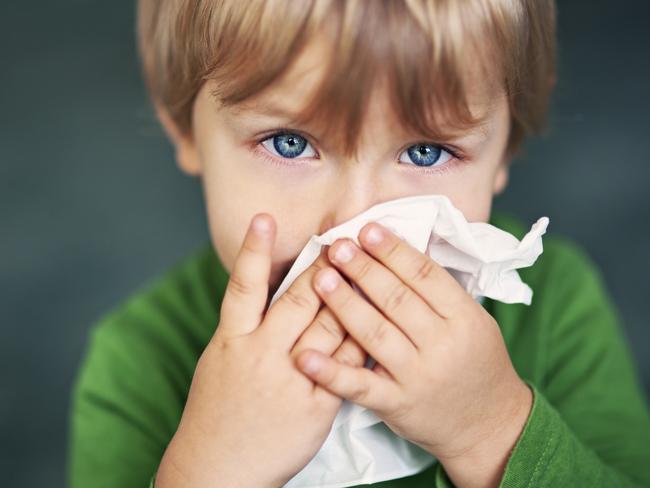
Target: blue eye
x: 427, y: 155
x: 287, y: 145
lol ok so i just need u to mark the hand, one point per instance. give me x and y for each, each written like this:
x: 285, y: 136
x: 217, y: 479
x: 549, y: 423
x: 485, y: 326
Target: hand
x: 252, y: 419
x: 443, y: 378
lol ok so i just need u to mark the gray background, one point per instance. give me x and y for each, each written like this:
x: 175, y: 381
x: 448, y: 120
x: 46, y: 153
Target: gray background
x: 92, y: 205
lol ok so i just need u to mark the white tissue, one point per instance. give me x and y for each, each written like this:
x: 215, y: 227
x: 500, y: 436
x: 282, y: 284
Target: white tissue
x: 360, y: 448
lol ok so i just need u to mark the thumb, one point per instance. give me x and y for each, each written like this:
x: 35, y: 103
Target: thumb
x: 244, y: 300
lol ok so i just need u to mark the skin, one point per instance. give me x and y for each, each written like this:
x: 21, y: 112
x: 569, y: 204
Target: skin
x: 471, y: 439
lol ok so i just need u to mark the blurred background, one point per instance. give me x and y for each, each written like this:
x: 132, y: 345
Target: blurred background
x: 92, y: 205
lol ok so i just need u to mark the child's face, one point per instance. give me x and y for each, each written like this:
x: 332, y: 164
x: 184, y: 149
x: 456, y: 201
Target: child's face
x: 319, y: 188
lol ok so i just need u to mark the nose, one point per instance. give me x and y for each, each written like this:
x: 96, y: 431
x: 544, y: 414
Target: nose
x: 351, y: 193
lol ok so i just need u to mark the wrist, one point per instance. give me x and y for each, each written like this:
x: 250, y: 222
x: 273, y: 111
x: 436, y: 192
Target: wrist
x: 193, y: 459
x: 188, y: 462
x: 483, y: 463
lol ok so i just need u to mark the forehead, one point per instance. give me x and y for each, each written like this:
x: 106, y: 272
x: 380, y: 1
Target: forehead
x: 298, y: 87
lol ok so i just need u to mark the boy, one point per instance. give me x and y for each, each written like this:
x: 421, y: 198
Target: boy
x: 297, y: 116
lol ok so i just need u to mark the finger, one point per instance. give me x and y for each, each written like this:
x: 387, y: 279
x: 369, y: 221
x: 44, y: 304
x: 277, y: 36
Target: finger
x: 427, y: 278
x: 359, y: 385
x: 245, y: 296
x: 390, y: 294
x: 380, y: 370
x: 295, y: 309
x: 324, y: 334
x: 347, y: 352
x: 350, y: 353
x: 382, y: 339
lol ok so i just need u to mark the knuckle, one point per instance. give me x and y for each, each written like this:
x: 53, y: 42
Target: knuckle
x: 248, y: 247
x: 393, y: 251
x: 396, y: 297
x: 360, y: 393
x: 345, y: 357
x: 346, y: 300
x: 329, y: 324
x: 364, y: 270
x: 349, y: 354
x: 376, y: 335
x: 220, y: 346
x: 238, y: 286
x: 424, y: 271
x: 295, y: 298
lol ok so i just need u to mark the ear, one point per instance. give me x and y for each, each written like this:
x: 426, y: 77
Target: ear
x: 187, y: 157
x: 501, y: 177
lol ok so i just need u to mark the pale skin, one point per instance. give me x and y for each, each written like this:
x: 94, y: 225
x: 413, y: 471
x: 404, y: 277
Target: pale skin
x: 443, y: 377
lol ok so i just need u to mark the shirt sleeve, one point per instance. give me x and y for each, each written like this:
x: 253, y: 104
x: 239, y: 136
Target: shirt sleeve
x: 589, y: 423
x: 125, y: 405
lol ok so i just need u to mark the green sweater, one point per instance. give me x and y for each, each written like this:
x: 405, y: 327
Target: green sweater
x: 589, y: 425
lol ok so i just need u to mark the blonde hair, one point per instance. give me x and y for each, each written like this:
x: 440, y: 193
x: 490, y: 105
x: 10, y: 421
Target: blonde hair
x: 432, y: 51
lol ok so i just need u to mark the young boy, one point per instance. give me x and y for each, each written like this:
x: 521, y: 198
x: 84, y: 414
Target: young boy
x: 297, y: 116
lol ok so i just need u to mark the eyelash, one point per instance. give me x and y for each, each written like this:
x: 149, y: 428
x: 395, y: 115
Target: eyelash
x: 451, y: 165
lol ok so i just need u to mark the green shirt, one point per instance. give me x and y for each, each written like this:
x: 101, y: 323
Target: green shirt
x: 589, y: 424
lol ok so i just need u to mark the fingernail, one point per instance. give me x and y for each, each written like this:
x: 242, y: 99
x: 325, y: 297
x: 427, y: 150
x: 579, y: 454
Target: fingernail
x: 261, y: 225
x: 375, y: 235
x: 328, y: 280
x: 311, y: 365
x: 344, y: 253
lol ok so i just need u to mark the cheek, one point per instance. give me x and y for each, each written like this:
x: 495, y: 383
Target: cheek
x: 473, y: 198
x: 477, y: 209
x: 230, y: 212
x: 227, y: 243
